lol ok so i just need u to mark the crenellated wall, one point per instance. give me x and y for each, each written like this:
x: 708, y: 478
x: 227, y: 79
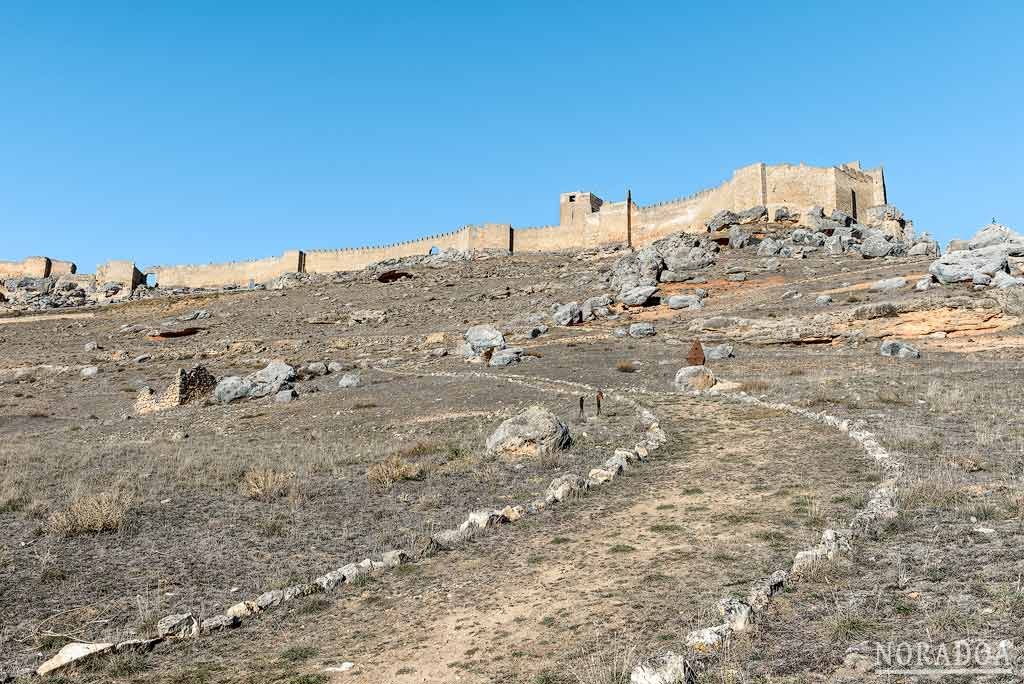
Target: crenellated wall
x: 585, y: 220
x: 239, y: 273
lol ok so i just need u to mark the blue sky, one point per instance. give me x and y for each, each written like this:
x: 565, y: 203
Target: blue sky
x: 194, y: 132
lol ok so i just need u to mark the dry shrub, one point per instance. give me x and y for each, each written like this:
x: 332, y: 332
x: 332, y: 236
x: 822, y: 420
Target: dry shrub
x: 265, y: 484
x: 757, y: 385
x: 91, y: 513
x: 625, y: 367
x: 937, y: 488
x: 392, y: 469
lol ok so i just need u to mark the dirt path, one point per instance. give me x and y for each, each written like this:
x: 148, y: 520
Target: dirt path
x: 44, y: 317
x: 646, y: 556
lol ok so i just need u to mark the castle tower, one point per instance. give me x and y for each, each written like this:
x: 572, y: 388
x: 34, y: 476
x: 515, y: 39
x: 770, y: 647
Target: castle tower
x: 574, y: 207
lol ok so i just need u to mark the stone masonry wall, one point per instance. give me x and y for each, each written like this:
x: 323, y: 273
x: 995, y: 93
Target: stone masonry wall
x: 35, y: 267
x: 585, y: 221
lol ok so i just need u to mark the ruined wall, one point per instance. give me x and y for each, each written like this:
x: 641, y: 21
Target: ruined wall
x: 35, y: 267
x: 486, y: 236
x: 797, y: 186
x: 119, y: 271
x: 856, y: 190
x: 238, y: 273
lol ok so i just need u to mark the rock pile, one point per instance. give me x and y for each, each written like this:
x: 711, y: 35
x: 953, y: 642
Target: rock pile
x: 635, y: 276
x: 277, y: 376
x: 984, y: 260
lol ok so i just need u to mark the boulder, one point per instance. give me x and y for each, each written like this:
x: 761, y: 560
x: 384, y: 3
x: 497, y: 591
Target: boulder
x: 786, y: 215
x: 841, y: 217
x: 483, y: 337
x: 835, y: 245
x: 925, y: 246
x: 719, y: 352
x: 994, y: 234
x: 650, y: 264
x: 692, y: 259
x: 232, y: 388
x: 276, y: 376
x: 1003, y: 280
x: 738, y: 238
x: 694, y: 378
x: 506, y: 357
x: 565, y: 487
x: 568, y: 314
x: 685, y: 302
x: 596, y: 306
x: 960, y: 266
x: 178, y: 625
x: 756, y: 214
x: 89, y: 372
x: 349, y: 380
x: 888, y: 284
x: 285, y: 396
x: 898, y: 349
x: 532, y: 432
x: 218, y: 623
x: 73, y: 653
x: 642, y: 329
x: 638, y: 296
x: 721, y: 220
x: 769, y: 247
x: 875, y: 246
x: 823, y: 300
x: 878, y: 215
x: 392, y: 559
x: 923, y: 284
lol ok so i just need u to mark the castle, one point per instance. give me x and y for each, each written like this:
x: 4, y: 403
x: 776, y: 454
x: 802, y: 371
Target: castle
x: 585, y: 220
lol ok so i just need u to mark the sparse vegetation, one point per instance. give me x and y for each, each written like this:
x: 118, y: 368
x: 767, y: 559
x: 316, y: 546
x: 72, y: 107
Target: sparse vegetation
x: 92, y: 513
x: 392, y: 469
x: 265, y: 484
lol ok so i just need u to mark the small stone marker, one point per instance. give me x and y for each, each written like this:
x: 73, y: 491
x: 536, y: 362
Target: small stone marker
x: 696, y: 355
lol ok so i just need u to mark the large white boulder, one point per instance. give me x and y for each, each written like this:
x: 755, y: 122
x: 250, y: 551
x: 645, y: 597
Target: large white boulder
x: 534, y: 431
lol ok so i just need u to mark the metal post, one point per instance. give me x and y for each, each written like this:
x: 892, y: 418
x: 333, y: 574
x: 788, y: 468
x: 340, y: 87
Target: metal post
x: 629, y: 218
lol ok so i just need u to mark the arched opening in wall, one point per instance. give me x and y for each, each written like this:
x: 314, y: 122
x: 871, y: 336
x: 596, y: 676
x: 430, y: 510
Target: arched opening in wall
x: 151, y: 280
x: 434, y: 250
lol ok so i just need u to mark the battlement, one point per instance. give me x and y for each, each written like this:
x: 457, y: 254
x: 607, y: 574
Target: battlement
x: 585, y: 220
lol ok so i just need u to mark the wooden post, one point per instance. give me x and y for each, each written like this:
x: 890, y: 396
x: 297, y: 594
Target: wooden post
x: 629, y: 218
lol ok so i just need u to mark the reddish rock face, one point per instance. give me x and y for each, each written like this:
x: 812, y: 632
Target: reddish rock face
x: 696, y: 355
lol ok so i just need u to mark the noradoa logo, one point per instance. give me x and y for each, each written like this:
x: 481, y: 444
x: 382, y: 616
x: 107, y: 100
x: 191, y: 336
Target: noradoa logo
x: 963, y: 657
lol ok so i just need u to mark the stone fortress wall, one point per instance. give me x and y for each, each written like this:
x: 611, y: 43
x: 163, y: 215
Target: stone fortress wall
x: 585, y: 220
x: 36, y: 267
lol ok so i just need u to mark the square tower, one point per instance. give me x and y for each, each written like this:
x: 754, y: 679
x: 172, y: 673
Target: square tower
x: 574, y: 207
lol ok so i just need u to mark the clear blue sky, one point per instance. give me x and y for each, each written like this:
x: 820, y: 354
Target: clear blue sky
x: 201, y: 131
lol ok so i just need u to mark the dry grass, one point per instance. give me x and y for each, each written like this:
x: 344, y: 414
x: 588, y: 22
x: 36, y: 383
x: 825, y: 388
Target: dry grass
x: 754, y: 386
x: 625, y: 367
x: 935, y: 488
x: 91, y: 513
x: 265, y: 484
x: 392, y: 469
x: 610, y: 665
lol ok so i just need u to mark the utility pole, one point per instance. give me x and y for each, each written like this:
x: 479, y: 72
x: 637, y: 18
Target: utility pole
x: 629, y: 218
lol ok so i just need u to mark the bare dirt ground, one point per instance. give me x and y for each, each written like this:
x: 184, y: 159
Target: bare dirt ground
x: 221, y: 502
